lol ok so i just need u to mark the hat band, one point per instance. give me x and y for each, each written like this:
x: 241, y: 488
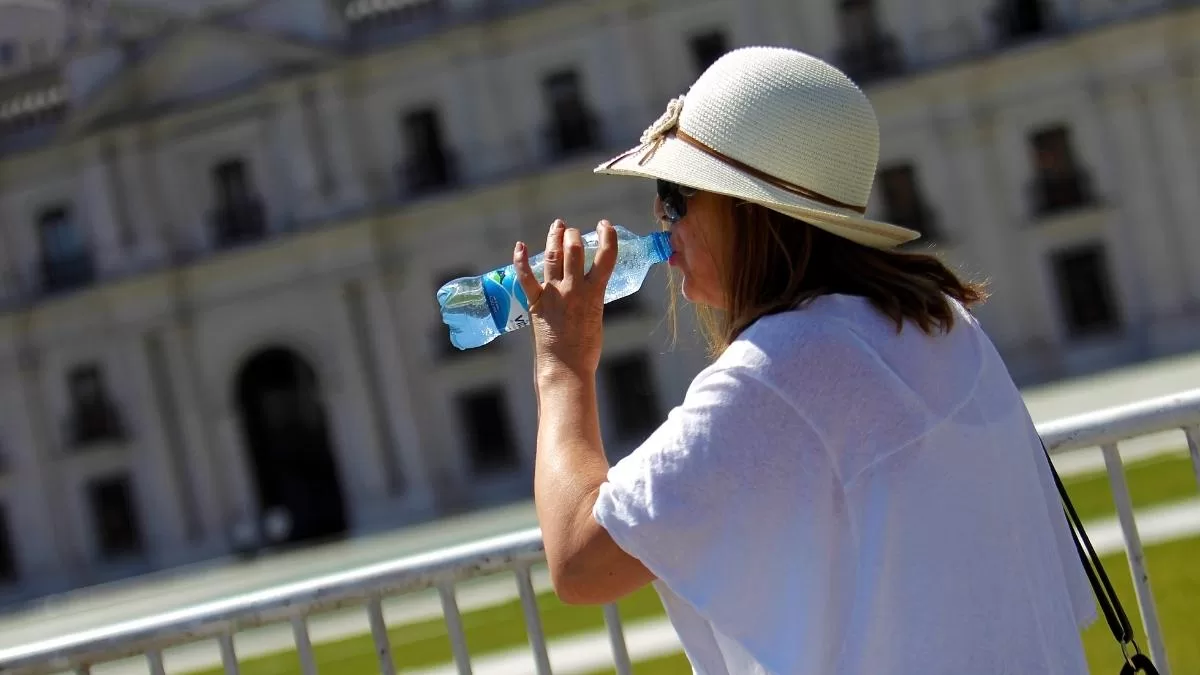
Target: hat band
x: 761, y: 175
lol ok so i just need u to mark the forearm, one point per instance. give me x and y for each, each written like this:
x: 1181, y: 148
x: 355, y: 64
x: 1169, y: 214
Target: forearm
x: 570, y: 464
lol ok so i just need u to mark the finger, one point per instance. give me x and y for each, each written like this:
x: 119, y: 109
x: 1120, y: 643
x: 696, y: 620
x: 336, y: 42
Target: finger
x: 573, y: 255
x: 525, y: 277
x: 552, y: 260
x: 606, y: 255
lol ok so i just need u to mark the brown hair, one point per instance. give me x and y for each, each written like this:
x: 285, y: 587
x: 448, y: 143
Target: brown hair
x: 769, y: 262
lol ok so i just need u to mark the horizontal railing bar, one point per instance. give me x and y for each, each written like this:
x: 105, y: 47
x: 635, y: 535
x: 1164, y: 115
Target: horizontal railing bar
x: 460, y: 563
x: 334, y: 591
x: 1112, y: 425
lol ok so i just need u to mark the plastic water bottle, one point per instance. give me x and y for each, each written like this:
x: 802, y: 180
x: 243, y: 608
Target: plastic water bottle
x: 480, y: 309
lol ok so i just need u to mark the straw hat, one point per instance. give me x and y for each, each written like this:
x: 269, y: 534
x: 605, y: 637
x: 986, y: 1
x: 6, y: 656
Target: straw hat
x: 776, y: 127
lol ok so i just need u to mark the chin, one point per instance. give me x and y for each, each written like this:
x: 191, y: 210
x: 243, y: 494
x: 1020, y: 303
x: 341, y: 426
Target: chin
x: 693, y: 297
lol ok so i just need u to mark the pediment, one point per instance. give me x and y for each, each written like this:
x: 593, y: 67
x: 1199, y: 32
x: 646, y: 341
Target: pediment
x: 194, y: 63
x: 197, y: 67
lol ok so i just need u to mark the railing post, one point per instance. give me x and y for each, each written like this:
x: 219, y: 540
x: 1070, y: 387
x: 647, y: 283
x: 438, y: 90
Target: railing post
x: 155, y: 657
x: 379, y: 633
x: 304, y: 648
x: 228, y: 654
x: 454, y: 626
x: 1137, y: 558
x: 616, y: 635
x: 1193, y: 441
x: 533, y: 619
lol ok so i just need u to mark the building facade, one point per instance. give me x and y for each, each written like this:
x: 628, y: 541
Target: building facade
x: 222, y: 225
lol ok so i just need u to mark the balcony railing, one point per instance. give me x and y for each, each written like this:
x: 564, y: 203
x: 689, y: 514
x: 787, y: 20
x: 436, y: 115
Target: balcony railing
x: 68, y: 272
x: 418, y: 176
x: 1051, y: 195
x: 569, y: 136
x: 1019, y: 20
x: 238, y: 223
x: 95, y: 423
x: 293, y: 604
x: 920, y: 218
x: 875, y: 59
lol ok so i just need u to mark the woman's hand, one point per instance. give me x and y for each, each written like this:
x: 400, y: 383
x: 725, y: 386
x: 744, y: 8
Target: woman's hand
x: 567, y: 310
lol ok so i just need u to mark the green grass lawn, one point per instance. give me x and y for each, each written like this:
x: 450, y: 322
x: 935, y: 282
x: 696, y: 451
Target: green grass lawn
x: 1175, y: 577
x: 1159, y: 480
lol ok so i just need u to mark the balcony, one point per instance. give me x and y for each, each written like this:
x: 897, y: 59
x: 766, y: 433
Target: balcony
x: 238, y: 223
x: 67, y: 272
x: 1051, y: 195
x: 1018, y: 21
x: 94, y: 423
x: 876, y: 59
x: 572, y: 135
x: 920, y: 218
x: 417, y: 176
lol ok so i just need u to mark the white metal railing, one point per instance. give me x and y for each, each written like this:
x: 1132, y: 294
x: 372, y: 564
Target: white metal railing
x: 517, y: 553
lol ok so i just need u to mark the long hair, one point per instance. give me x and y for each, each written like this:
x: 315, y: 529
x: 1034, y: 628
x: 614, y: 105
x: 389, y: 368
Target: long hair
x: 769, y: 262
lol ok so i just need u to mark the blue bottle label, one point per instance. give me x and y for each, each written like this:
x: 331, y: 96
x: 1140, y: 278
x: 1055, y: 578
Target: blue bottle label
x: 506, y: 300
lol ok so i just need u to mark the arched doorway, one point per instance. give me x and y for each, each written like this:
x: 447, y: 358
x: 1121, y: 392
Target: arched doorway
x: 279, y: 400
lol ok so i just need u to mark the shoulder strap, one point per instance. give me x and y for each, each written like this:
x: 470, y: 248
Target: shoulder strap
x: 1106, y: 596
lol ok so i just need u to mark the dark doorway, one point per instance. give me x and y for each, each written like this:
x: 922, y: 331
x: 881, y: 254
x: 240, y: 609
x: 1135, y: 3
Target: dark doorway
x: 284, y: 420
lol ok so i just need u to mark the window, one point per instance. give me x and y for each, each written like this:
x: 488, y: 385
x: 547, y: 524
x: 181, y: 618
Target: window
x: 8, y: 558
x: 707, y: 48
x: 238, y: 216
x: 572, y: 128
x: 489, y: 431
x: 232, y: 186
x: 902, y: 200
x: 8, y: 54
x: 867, y: 52
x: 428, y: 165
x: 1084, y: 291
x: 94, y: 418
x: 632, y: 396
x: 857, y: 19
x: 1018, y: 19
x: 114, y: 517
x: 66, y: 261
x: 1059, y: 184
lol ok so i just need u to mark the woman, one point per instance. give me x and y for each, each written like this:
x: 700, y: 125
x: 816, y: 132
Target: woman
x: 853, y: 485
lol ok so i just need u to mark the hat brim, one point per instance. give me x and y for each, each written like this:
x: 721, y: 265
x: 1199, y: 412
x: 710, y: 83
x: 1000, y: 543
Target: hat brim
x: 681, y: 163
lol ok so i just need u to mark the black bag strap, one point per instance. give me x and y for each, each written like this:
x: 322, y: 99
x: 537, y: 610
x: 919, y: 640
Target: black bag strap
x: 1106, y: 596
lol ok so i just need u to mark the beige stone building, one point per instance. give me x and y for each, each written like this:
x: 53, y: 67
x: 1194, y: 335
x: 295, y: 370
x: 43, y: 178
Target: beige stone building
x: 222, y: 225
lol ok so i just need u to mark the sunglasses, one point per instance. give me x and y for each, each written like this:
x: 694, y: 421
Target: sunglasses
x: 674, y: 199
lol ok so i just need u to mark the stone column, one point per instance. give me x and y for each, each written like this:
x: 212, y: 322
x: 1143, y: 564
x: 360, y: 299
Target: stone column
x: 290, y: 157
x: 358, y: 446
x: 404, y: 439
x: 210, y: 470
x: 159, y: 401
x: 1142, y: 200
x: 44, y: 451
x: 339, y: 111
x: 1173, y: 123
x: 969, y: 141
x: 94, y: 214
x: 165, y: 512
x: 628, y: 76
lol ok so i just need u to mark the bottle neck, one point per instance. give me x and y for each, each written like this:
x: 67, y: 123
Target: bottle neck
x: 660, y: 246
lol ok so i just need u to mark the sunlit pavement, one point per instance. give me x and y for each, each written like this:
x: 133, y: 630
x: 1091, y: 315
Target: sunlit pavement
x: 221, y: 579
